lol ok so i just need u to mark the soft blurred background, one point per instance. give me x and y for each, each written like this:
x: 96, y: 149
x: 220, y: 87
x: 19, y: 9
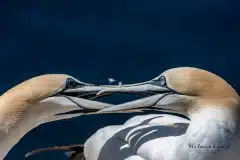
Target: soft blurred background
x: 130, y: 40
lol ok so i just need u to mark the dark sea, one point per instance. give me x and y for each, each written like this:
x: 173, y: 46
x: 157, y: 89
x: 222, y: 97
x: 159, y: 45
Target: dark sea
x: 129, y: 40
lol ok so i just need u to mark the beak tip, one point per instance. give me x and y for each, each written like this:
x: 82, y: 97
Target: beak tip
x: 103, y: 111
x: 99, y: 93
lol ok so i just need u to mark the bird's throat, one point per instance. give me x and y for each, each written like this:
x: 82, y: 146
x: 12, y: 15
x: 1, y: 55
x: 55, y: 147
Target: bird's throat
x: 14, y: 134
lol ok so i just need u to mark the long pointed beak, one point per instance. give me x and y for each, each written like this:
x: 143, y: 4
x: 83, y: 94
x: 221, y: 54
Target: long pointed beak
x: 87, y: 92
x: 84, y: 106
x: 146, y: 88
x: 135, y: 105
x: 153, y: 91
x: 81, y: 106
x: 94, y: 91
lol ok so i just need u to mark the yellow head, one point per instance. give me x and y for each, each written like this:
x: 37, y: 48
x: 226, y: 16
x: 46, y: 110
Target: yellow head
x: 197, y: 82
x: 181, y: 89
x: 44, y: 96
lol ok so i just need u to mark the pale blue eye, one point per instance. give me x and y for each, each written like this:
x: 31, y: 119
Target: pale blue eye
x: 70, y: 83
x: 162, y: 81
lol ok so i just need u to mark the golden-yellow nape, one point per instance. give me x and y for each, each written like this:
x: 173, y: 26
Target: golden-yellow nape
x: 37, y: 88
x: 198, y: 82
x: 178, y: 89
x: 18, y: 99
x: 40, y: 100
x: 30, y: 93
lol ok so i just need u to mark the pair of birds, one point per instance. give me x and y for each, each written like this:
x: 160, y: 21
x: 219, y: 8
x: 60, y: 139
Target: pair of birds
x: 209, y: 131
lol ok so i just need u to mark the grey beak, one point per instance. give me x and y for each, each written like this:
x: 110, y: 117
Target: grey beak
x: 83, y: 106
x: 147, y: 88
x: 87, y: 107
x: 135, y: 105
x: 154, y: 91
x: 87, y: 92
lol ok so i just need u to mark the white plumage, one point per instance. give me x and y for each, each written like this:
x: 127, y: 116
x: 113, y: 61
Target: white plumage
x: 210, y: 131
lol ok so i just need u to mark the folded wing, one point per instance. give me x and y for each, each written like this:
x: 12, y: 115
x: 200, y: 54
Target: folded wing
x: 137, y: 139
x: 142, y: 137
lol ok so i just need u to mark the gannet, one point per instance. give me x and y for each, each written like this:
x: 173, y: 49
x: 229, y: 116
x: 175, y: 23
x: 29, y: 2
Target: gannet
x: 209, y: 132
x: 43, y: 99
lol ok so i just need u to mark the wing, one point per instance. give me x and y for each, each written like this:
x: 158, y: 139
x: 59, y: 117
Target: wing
x: 73, y: 152
x: 140, y: 138
x: 136, y: 139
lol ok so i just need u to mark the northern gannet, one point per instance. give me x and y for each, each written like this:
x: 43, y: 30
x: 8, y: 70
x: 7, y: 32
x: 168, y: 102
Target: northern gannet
x: 43, y: 99
x: 209, y: 132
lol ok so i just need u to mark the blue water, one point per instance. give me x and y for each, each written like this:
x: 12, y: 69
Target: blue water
x: 130, y: 40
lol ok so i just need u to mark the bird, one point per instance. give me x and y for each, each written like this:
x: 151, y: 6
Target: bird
x: 43, y: 99
x: 204, y: 126
x: 111, y: 80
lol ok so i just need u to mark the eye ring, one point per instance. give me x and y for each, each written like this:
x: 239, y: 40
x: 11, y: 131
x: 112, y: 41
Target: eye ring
x: 162, y: 81
x: 70, y: 83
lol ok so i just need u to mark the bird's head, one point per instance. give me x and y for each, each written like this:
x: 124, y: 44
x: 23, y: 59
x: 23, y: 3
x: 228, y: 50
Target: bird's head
x: 180, y: 89
x: 47, y: 98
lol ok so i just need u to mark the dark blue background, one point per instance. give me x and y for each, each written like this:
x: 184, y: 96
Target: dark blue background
x: 131, y: 40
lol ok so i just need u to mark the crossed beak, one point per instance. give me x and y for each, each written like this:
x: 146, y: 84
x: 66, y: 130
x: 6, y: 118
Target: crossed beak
x: 86, y: 93
x: 152, y: 90
x: 83, y: 95
x: 146, y: 88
